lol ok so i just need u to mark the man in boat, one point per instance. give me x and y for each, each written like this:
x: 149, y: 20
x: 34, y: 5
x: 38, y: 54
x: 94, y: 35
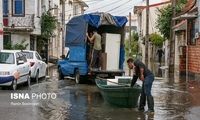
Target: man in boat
x: 146, y: 76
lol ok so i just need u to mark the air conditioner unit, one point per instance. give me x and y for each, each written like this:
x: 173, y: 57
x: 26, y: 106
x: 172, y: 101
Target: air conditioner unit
x: 196, y: 35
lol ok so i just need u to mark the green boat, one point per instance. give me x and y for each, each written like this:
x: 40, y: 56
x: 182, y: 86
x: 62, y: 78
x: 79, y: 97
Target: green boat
x: 119, y: 93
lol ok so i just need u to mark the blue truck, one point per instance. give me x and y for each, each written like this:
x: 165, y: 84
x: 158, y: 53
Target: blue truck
x: 75, y: 63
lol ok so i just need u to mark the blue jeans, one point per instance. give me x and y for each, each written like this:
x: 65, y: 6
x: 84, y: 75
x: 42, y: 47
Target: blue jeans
x: 146, y: 93
x: 148, y: 81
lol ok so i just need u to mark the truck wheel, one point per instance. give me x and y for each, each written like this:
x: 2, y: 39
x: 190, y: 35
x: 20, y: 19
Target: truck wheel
x: 13, y: 85
x: 77, y: 76
x: 60, y: 75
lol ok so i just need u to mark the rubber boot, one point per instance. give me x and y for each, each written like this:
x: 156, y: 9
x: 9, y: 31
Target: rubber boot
x: 142, y: 102
x: 150, y: 102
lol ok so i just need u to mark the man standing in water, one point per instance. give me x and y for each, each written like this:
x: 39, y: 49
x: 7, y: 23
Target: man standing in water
x: 146, y: 76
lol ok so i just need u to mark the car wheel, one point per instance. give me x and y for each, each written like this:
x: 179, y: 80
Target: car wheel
x: 37, y: 77
x: 77, y: 76
x: 60, y: 75
x: 14, y: 85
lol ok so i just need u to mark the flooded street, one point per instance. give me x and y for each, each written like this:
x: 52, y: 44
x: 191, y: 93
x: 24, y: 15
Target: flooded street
x: 173, y: 101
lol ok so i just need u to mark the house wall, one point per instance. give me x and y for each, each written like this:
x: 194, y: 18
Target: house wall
x: 32, y: 8
x: 1, y: 26
x: 194, y: 52
x: 17, y: 38
x: 194, y: 61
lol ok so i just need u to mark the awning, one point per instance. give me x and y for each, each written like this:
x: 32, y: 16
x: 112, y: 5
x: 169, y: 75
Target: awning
x: 188, y: 6
x: 186, y: 16
x: 180, y: 26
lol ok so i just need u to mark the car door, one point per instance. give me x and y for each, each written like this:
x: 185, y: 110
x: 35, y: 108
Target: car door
x: 26, y: 65
x: 23, y: 67
x: 41, y: 65
x: 20, y: 67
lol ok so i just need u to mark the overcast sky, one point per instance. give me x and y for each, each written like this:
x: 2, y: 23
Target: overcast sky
x: 115, y: 7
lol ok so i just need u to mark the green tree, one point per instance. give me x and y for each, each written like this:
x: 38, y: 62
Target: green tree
x: 17, y: 46
x: 165, y: 17
x: 133, y: 45
x: 156, y: 39
x: 48, y: 24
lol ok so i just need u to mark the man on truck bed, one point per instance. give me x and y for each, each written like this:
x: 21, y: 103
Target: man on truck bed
x: 96, y: 53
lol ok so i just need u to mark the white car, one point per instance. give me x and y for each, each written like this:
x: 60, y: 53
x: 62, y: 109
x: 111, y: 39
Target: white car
x: 11, y: 61
x: 38, y: 67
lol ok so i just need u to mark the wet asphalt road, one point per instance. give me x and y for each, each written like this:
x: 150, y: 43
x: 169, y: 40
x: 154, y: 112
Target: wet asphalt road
x: 173, y: 101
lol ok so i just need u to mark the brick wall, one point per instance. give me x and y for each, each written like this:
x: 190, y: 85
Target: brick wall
x: 194, y: 58
x: 182, y: 65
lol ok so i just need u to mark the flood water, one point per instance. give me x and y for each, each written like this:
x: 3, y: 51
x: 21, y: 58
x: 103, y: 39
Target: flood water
x: 173, y: 101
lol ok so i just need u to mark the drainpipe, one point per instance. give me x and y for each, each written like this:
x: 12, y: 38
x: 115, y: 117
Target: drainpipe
x: 186, y: 53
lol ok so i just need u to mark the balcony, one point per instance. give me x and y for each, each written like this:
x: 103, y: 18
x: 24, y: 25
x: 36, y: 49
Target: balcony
x: 19, y: 24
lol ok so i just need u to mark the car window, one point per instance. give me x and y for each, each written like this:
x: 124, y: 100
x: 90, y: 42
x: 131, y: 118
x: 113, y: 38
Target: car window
x: 21, y: 56
x: 38, y: 56
x: 29, y: 55
x: 7, y: 58
x: 24, y: 58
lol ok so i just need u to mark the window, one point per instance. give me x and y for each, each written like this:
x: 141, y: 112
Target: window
x: 6, y: 58
x: 18, y: 7
x: 29, y: 55
x: 5, y: 8
x: 38, y: 56
x: 192, y: 31
x: 6, y: 41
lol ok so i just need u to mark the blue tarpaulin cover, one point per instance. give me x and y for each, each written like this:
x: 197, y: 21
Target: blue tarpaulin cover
x: 76, y: 28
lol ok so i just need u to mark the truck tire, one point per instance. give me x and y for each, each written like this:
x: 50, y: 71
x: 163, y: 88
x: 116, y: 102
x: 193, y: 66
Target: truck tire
x: 60, y: 75
x: 77, y: 76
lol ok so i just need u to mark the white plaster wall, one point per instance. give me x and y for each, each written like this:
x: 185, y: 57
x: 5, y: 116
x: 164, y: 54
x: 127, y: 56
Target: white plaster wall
x: 17, y: 38
x: 68, y: 11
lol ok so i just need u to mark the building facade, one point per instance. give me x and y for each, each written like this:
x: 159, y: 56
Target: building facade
x: 1, y: 25
x: 21, y: 22
x: 187, y: 42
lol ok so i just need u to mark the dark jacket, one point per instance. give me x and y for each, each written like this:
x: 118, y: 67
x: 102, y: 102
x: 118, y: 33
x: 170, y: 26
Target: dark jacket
x: 138, y: 65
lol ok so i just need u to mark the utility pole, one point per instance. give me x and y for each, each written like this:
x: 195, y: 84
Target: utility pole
x: 130, y: 39
x: 172, y: 42
x: 63, y: 27
x: 147, y: 34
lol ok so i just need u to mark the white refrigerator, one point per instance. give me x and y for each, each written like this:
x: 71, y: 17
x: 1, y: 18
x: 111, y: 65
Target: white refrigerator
x: 112, y: 50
